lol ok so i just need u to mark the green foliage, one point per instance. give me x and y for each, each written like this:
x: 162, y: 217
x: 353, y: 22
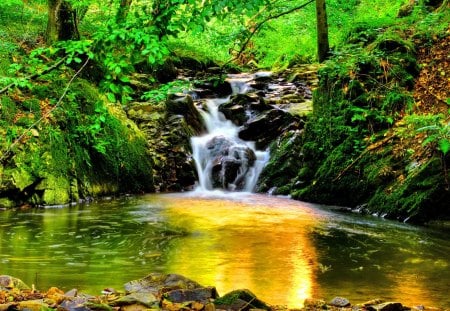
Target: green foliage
x: 161, y: 93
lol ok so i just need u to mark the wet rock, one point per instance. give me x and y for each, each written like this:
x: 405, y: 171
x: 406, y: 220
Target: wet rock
x: 32, y: 305
x: 241, y: 107
x: 73, y: 305
x: 159, y: 282
x: 340, y: 302
x: 230, y: 160
x: 241, y: 299
x: 197, y: 294
x: 143, y: 298
x: 386, y: 306
x: 184, y: 105
x: 8, y: 283
x: 267, y: 126
x: 11, y: 306
x: 314, y: 304
x: 214, y: 87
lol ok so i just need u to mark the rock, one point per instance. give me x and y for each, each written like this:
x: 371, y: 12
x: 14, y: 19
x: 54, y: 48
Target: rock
x: 241, y: 107
x: 143, y: 298
x: 340, y: 302
x: 215, y: 87
x: 386, y: 306
x: 229, y: 160
x: 8, y: 306
x: 183, y: 104
x: 73, y: 305
x: 314, y: 304
x: 158, y: 282
x: 241, y: 299
x: 267, y: 126
x: 55, y: 295
x: 196, y: 294
x: 8, y: 282
x: 32, y: 305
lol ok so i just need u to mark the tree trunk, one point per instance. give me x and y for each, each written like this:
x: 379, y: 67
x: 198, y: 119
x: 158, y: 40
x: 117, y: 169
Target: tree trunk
x: 323, y: 45
x: 122, y: 13
x: 62, y: 22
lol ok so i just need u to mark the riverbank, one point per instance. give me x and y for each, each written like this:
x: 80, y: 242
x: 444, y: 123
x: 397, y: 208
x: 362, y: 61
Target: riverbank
x: 171, y: 292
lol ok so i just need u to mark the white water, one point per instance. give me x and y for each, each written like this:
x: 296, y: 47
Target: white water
x: 218, y: 126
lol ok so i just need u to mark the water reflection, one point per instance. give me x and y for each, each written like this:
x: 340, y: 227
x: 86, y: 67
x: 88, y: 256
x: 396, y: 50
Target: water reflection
x: 282, y: 250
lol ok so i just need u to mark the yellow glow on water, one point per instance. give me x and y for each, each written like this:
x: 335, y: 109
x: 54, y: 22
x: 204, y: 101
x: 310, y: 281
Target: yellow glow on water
x: 247, y: 245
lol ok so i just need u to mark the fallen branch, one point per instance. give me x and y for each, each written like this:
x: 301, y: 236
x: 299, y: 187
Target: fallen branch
x: 8, y: 150
x: 374, y: 146
x: 38, y: 74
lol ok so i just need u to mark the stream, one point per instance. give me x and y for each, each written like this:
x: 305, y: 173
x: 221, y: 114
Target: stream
x: 282, y: 250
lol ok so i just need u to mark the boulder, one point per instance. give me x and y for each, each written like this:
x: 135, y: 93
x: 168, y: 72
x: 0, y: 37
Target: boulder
x: 241, y: 107
x: 8, y: 283
x: 267, y: 126
x: 386, y: 306
x: 156, y: 283
x: 203, y: 295
x: 182, y: 104
x: 229, y: 160
x: 241, y: 299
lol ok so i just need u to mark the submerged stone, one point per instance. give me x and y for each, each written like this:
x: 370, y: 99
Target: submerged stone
x: 156, y: 282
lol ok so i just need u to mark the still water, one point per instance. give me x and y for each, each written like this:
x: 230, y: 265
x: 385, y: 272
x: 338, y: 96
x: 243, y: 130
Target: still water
x: 282, y: 250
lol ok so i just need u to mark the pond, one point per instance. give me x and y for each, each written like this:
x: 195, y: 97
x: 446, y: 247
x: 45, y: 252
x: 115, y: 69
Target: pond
x: 282, y: 250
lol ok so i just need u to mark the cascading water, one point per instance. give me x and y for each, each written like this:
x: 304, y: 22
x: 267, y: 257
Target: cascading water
x: 223, y: 160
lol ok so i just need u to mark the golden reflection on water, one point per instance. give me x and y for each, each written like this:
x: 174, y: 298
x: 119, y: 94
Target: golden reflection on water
x: 233, y: 244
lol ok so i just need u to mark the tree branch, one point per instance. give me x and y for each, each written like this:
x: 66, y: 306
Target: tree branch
x: 259, y: 25
x: 38, y: 74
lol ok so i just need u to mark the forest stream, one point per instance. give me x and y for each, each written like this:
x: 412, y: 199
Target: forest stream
x: 282, y: 250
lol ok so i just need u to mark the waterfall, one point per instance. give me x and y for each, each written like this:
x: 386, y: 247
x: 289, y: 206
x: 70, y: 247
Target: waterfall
x: 223, y: 160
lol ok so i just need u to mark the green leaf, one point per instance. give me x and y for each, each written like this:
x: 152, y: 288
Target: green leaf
x: 444, y: 145
x: 111, y: 97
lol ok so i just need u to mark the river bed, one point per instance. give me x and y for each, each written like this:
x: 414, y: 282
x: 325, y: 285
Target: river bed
x: 282, y: 250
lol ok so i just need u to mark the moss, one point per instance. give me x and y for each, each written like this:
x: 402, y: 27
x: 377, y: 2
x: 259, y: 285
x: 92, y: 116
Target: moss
x: 283, y: 165
x: 421, y: 196
x: 56, y: 190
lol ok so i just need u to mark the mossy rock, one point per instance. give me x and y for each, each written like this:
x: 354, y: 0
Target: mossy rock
x: 56, y: 190
x: 22, y: 178
x: 7, y: 203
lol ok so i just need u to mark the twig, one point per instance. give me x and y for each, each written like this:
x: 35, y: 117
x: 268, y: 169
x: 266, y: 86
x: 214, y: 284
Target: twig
x: 8, y: 150
x: 35, y: 75
x: 367, y: 150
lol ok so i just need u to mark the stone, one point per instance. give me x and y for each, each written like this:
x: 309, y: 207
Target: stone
x: 241, y: 299
x: 314, y: 304
x: 340, y: 302
x: 182, y: 104
x: 386, y: 306
x: 267, y: 126
x: 230, y: 160
x: 197, y: 294
x: 32, y: 305
x: 243, y: 106
x: 144, y: 298
x: 8, y: 282
x: 158, y: 282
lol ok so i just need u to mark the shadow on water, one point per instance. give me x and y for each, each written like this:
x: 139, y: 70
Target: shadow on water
x: 283, y: 250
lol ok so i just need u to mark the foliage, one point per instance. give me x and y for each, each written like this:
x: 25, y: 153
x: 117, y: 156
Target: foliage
x: 161, y: 93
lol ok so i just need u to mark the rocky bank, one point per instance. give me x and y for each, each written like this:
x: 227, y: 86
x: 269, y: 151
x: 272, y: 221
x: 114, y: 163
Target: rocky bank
x: 170, y: 292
